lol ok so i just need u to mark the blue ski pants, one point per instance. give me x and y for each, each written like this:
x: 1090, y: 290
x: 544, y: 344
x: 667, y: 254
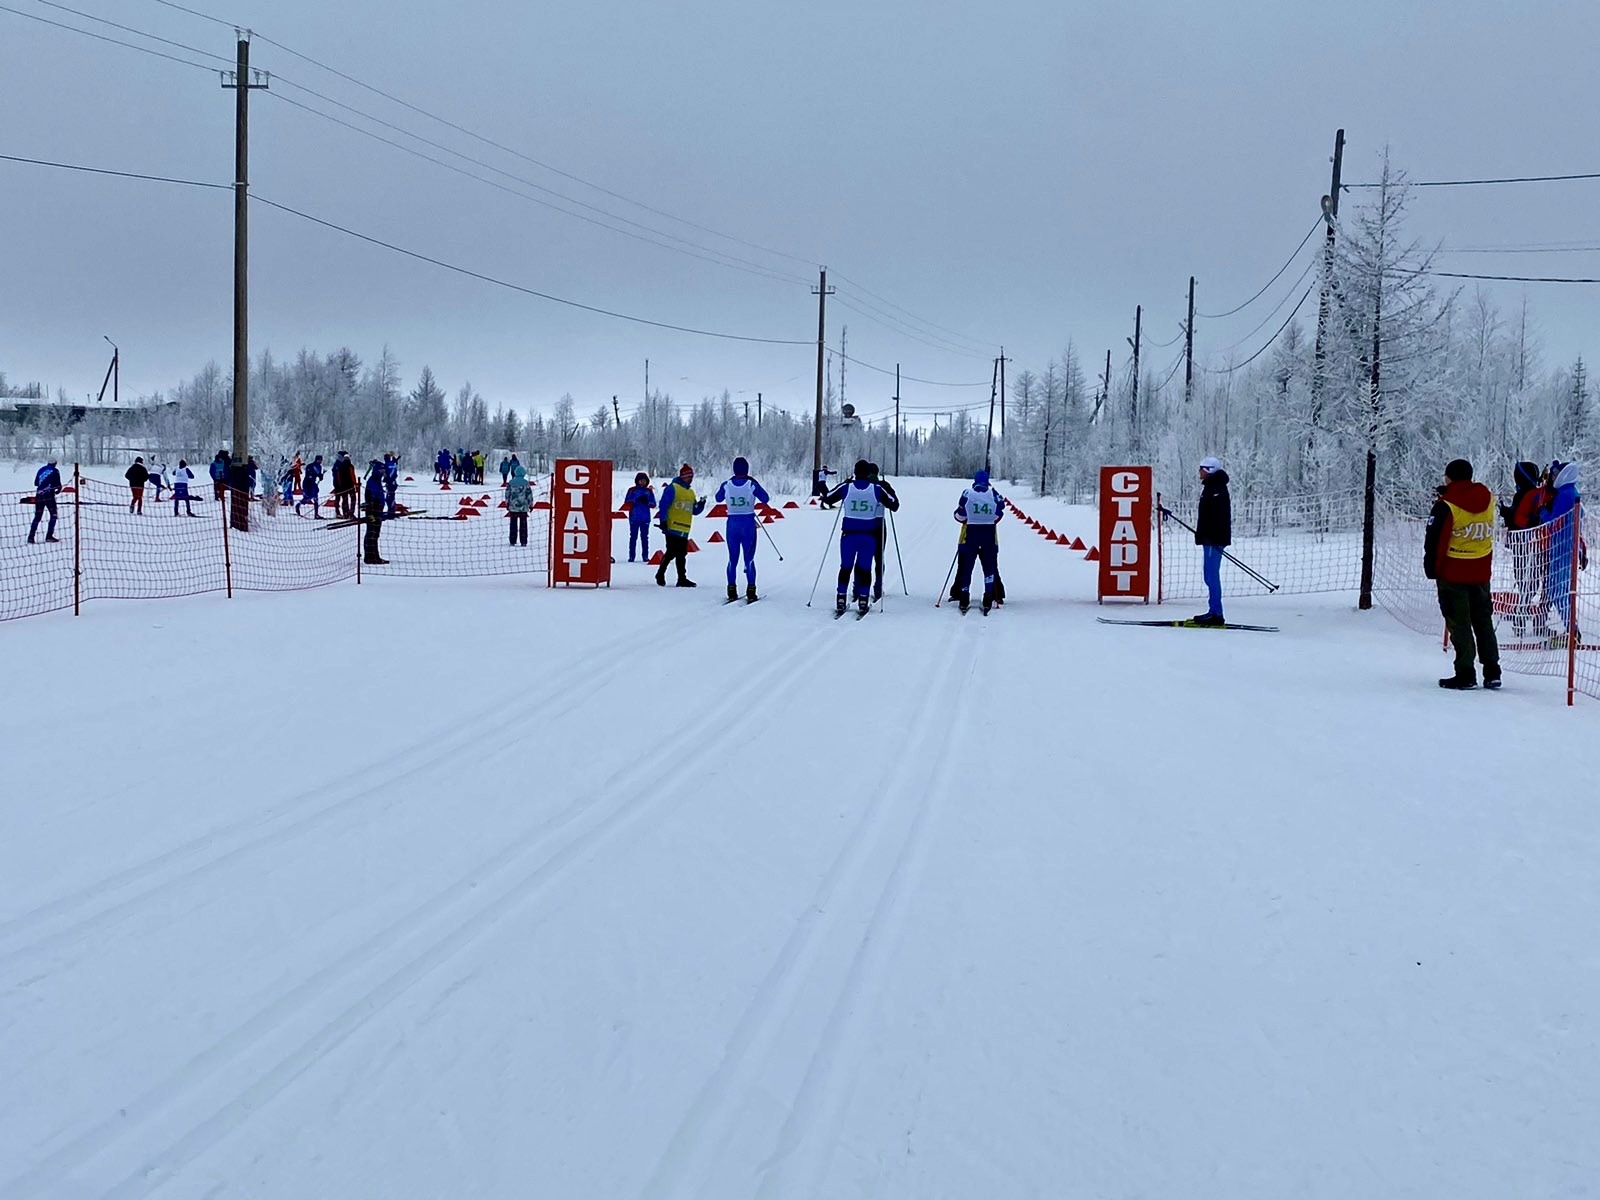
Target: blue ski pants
x: 856, y: 554
x: 1212, y: 569
x: 741, y: 540
x: 639, y: 535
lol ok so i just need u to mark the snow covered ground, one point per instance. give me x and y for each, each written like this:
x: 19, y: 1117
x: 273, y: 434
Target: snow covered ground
x: 467, y: 888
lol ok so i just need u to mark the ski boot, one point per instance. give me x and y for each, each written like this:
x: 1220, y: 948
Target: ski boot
x: 733, y: 593
x: 1208, y: 620
x: 988, y: 603
x: 661, y: 577
x: 750, y: 593
x: 685, y: 581
x: 838, y: 604
x: 966, y: 601
x: 862, y: 604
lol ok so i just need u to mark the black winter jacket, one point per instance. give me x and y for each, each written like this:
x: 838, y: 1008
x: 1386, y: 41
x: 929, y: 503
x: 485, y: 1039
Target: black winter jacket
x: 1213, y: 523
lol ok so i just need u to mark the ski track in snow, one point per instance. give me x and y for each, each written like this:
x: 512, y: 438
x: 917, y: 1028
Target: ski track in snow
x: 849, y: 908
x: 220, y: 1087
x: 117, y: 898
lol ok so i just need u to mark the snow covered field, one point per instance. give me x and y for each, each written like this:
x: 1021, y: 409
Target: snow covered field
x: 468, y: 888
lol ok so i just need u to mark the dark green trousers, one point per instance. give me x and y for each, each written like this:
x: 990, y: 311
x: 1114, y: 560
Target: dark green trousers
x: 1468, y: 610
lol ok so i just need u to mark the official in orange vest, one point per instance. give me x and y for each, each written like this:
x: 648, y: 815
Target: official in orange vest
x: 1458, y: 554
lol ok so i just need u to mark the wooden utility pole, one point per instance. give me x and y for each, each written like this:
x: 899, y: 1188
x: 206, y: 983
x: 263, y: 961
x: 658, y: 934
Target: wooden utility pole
x: 113, y: 376
x: 616, y: 412
x: 1133, y: 401
x: 897, y: 418
x: 988, y: 440
x: 1004, y: 453
x: 758, y: 410
x: 747, y: 416
x: 1330, y: 215
x: 1188, y: 347
x: 243, y: 83
x: 821, y: 293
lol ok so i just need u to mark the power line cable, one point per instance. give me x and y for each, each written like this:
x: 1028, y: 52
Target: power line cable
x: 488, y: 141
x: 721, y: 261
x: 510, y: 175
x: 1509, y: 278
x: 136, y: 32
x: 101, y: 37
x: 1269, y: 343
x: 911, y: 378
x: 1482, y: 182
x: 1276, y: 308
x: 394, y: 99
x: 1287, y: 263
x: 516, y: 287
x: 904, y: 331
x: 976, y: 342
x: 44, y: 162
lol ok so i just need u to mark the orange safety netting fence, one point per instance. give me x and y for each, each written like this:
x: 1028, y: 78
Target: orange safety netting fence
x: 110, y: 546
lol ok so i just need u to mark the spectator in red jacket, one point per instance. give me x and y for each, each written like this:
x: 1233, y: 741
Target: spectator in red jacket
x: 1458, y: 554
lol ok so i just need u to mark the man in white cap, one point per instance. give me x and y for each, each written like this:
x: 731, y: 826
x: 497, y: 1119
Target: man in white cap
x: 1213, y: 530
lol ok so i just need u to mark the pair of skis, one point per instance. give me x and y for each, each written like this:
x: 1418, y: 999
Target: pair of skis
x: 1191, y: 623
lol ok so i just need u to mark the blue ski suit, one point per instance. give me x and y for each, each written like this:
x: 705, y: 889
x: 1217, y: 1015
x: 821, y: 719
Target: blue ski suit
x: 741, y: 494
x: 864, y: 503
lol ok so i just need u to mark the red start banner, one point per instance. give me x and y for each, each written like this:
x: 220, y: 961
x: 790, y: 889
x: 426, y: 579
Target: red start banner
x: 1127, y: 505
x: 580, y: 522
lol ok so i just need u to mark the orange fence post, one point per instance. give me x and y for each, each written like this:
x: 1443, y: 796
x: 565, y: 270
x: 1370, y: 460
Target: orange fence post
x: 227, y: 549
x: 1572, y: 603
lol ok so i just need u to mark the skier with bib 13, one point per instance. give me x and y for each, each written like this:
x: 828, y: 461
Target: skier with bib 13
x: 741, y: 494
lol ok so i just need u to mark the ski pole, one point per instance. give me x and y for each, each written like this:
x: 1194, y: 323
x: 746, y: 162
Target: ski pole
x: 838, y: 512
x: 896, y: 534
x: 1245, y: 567
x: 937, y: 603
x: 775, y: 549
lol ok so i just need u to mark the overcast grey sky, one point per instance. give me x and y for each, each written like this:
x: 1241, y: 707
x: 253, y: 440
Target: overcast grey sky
x: 1020, y: 172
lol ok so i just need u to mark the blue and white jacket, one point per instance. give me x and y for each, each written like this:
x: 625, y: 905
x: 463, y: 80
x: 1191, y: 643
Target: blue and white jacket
x: 741, y: 494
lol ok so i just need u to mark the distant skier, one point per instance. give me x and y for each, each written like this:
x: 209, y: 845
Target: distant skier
x: 311, y: 486
x: 1560, y: 514
x: 1458, y: 554
x: 137, y: 476
x: 519, y: 499
x: 180, y: 488
x: 286, y: 483
x: 679, y: 507
x: 1213, y: 532
x: 742, y: 494
x: 640, y: 500
x: 819, y: 485
x: 505, y: 470
x: 46, y: 483
x: 158, y: 478
x: 979, y: 510
x: 441, y: 467
x: 372, y: 504
x: 864, y: 501
x: 296, y: 469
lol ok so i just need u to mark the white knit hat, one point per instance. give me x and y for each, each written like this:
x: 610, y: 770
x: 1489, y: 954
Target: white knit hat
x: 1211, y: 464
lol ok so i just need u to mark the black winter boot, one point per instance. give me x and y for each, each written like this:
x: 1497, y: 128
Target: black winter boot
x: 1459, y: 683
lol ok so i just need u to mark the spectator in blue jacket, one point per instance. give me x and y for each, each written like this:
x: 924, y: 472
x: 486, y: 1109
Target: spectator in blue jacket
x: 441, y: 467
x: 391, y: 480
x: 1558, y: 512
x: 640, y: 500
x: 219, y: 473
x: 46, y: 483
x: 742, y: 494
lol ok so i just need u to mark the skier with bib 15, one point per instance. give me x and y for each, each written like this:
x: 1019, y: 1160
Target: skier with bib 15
x: 864, y: 501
